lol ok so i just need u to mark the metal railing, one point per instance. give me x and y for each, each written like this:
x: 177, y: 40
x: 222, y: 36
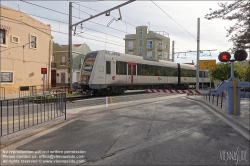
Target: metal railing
x: 62, y: 63
x: 27, y: 91
x: 149, y: 46
x: 22, y: 113
x: 2, y: 93
x: 216, y: 99
x: 160, y: 47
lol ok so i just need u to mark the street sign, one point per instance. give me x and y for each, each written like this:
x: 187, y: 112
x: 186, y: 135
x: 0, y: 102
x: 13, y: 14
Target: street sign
x: 43, y: 70
x: 207, y: 64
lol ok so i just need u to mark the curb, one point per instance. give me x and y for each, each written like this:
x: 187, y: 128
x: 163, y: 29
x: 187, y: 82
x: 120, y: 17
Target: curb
x: 34, y: 132
x: 228, y: 117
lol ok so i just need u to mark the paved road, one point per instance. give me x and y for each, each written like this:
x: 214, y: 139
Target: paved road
x: 169, y: 132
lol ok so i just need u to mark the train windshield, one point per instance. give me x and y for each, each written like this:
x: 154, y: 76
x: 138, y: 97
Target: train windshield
x: 89, y: 62
x: 87, y: 68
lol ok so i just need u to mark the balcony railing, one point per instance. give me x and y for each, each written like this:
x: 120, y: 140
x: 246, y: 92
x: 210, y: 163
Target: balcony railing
x: 160, y: 47
x: 62, y: 63
x: 53, y: 65
x: 130, y: 47
x: 149, y: 46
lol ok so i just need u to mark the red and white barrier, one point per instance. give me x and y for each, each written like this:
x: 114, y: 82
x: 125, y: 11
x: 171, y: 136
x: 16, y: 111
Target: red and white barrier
x: 177, y: 91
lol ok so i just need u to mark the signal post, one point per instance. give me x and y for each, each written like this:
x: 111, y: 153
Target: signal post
x: 232, y: 85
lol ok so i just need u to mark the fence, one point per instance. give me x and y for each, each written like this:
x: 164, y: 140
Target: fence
x: 21, y: 113
x: 25, y: 91
x: 2, y: 93
x: 218, y: 99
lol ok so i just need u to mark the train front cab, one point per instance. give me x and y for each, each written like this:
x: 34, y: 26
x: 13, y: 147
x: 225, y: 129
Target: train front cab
x: 86, y: 70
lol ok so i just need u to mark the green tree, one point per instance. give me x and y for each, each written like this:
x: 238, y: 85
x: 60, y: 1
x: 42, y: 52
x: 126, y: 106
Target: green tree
x: 239, y: 11
x: 223, y: 72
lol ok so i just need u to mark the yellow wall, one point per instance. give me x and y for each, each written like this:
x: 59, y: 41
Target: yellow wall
x: 25, y: 63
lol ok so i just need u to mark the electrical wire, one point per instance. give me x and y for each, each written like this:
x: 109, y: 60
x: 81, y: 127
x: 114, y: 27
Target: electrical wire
x: 100, y: 11
x: 72, y: 16
x: 67, y: 24
x: 173, y: 19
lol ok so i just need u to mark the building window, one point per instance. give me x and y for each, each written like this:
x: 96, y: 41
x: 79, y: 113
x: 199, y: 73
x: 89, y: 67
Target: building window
x: 63, y: 77
x: 108, y: 67
x: 33, y: 41
x: 166, y: 55
x: 63, y: 63
x: 140, y: 42
x: 149, y: 54
x: 131, y: 53
x: 14, y: 39
x: 6, y: 77
x: 149, y: 44
x: 166, y: 46
x: 160, y: 55
x: 2, y: 36
x: 53, y: 58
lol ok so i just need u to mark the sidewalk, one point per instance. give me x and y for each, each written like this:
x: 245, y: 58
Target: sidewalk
x: 241, y: 120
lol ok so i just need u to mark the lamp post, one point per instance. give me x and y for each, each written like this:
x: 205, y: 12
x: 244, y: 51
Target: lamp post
x: 18, y: 46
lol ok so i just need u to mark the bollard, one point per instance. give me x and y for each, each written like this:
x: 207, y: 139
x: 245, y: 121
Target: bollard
x: 217, y: 99
x: 106, y: 101
x: 221, y: 102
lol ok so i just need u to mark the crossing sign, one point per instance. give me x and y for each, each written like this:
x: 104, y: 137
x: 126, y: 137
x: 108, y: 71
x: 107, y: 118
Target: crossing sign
x: 207, y: 64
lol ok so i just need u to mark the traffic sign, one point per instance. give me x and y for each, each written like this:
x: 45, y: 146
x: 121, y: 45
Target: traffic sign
x: 207, y: 64
x: 43, y: 70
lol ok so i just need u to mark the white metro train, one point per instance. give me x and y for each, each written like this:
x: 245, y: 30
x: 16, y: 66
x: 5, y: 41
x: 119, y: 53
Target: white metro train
x: 106, y: 72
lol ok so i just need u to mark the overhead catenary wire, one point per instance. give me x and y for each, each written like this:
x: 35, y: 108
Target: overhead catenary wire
x: 67, y: 24
x: 80, y: 36
x: 100, y: 11
x: 72, y: 16
x: 172, y: 19
x: 65, y: 33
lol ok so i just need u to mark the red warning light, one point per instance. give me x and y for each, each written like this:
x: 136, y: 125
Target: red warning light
x: 43, y: 70
x: 224, y: 56
x: 240, y: 55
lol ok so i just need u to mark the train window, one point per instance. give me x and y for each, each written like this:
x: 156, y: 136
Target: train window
x: 121, y: 68
x: 139, y: 69
x: 171, y: 72
x: 129, y: 70
x: 175, y: 72
x: 200, y: 73
x: 108, y: 67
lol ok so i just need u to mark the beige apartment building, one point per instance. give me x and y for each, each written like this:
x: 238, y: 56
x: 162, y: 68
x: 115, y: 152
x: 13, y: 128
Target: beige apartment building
x: 148, y: 44
x: 25, y: 48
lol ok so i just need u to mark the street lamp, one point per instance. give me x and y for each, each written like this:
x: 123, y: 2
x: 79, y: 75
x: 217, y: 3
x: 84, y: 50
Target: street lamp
x: 18, y: 46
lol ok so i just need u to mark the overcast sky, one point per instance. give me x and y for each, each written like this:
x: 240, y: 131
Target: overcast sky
x: 98, y: 36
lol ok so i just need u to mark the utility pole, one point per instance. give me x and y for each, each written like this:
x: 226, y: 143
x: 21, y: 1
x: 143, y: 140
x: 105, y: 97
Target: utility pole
x: 70, y: 50
x: 70, y: 62
x: 198, y: 54
x: 173, y: 51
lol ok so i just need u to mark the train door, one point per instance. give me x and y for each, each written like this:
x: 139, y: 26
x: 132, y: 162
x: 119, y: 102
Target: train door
x: 131, y: 72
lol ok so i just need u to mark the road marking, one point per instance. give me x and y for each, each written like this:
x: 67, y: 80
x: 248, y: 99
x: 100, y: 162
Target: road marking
x: 26, y: 119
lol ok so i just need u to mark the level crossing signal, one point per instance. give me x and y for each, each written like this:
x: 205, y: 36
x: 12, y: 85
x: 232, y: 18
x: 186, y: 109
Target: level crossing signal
x: 239, y: 55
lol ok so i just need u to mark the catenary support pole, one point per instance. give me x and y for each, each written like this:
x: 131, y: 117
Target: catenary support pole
x: 198, y: 54
x: 70, y: 50
x: 172, y: 51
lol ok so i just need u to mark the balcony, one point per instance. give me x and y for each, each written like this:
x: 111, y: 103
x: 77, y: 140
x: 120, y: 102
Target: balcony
x: 53, y: 65
x: 62, y: 63
x: 160, y: 47
x: 149, y: 46
x: 130, y: 48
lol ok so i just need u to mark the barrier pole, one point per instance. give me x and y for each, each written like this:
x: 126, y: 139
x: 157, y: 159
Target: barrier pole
x: 235, y: 98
